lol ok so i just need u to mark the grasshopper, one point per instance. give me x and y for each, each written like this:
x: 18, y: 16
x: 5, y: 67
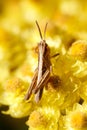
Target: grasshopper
x: 43, y: 71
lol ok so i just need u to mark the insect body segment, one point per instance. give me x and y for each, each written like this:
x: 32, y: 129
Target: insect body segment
x: 43, y: 69
x: 42, y: 73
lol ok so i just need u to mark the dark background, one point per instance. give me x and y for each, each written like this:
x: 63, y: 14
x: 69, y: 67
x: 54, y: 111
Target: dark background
x: 9, y: 123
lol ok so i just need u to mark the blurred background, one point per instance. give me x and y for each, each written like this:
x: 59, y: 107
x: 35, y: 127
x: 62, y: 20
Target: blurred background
x: 9, y: 123
x: 66, y: 18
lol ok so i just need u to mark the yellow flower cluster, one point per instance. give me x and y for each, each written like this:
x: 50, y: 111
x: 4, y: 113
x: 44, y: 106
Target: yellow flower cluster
x: 63, y: 105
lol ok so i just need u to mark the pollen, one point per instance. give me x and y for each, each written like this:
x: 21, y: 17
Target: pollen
x: 36, y: 120
x: 15, y: 85
x: 79, y: 49
x: 78, y: 120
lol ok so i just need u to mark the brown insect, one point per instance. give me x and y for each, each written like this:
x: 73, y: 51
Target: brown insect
x: 44, y: 69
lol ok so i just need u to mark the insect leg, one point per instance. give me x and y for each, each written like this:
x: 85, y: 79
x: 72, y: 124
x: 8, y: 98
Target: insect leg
x: 42, y: 82
x: 39, y: 88
x: 32, y: 86
x: 55, y: 55
x: 38, y: 95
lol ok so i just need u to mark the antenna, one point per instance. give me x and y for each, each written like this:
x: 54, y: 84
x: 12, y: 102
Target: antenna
x: 45, y: 30
x: 39, y: 30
